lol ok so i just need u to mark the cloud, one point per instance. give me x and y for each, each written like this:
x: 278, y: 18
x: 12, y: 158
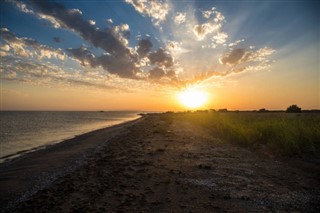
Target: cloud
x: 142, y: 62
x: 180, y: 18
x: 233, y: 44
x: 112, y: 40
x: 92, y: 22
x: 157, y: 73
x: 21, y: 6
x: 161, y: 58
x: 109, y: 22
x: 242, y: 55
x: 201, y: 30
x: 83, y: 55
x: 29, y: 72
x: 56, y: 39
x: 233, y: 57
x: 4, y: 50
x: 210, y: 30
x: 218, y: 17
x: 220, y: 38
x: 26, y: 47
x: 144, y: 47
x: 156, y: 9
x: 241, y: 59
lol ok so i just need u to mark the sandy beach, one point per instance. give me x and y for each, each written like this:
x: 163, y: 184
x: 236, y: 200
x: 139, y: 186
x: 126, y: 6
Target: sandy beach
x: 158, y: 163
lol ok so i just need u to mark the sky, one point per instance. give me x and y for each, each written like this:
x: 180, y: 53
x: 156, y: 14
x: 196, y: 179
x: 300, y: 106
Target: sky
x: 140, y: 55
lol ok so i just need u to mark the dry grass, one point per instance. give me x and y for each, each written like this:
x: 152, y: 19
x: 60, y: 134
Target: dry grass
x: 285, y: 134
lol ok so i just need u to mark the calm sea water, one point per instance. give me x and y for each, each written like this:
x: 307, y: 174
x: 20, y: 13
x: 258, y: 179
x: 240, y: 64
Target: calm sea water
x: 26, y: 131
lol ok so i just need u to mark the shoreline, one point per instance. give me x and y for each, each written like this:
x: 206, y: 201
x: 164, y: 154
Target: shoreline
x: 24, y: 175
x: 21, y: 153
x: 161, y: 163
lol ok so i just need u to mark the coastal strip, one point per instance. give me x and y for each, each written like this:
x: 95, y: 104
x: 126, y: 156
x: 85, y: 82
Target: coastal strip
x: 170, y: 163
x: 23, y: 176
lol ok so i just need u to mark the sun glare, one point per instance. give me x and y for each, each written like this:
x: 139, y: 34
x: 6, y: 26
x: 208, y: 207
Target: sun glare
x: 192, y: 98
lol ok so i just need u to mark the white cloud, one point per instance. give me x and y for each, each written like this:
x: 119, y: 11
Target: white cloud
x: 26, y: 47
x: 233, y: 44
x: 218, y: 17
x: 201, y: 30
x: 220, y: 38
x: 4, y: 50
x: 109, y: 21
x: 180, y: 18
x: 21, y: 6
x: 155, y: 9
x: 92, y: 22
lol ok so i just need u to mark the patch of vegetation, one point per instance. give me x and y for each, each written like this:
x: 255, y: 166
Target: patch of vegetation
x: 284, y: 133
x: 293, y: 108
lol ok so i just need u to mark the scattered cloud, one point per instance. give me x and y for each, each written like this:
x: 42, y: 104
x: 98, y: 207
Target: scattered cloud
x: 241, y: 59
x: 233, y: 44
x: 29, y: 72
x: 26, y: 47
x: 217, y: 16
x: 212, y: 26
x: 109, y: 49
x: 21, y: 6
x: 220, y: 38
x: 180, y: 18
x: 112, y: 40
x: 156, y: 9
x: 201, y: 30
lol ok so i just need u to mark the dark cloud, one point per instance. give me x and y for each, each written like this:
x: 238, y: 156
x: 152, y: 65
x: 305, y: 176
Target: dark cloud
x: 57, y: 39
x: 118, y: 58
x: 233, y: 57
x: 118, y: 66
x: 118, y: 55
x: 161, y: 58
x: 156, y: 73
x: 240, y: 56
x: 144, y: 47
x: 83, y: 55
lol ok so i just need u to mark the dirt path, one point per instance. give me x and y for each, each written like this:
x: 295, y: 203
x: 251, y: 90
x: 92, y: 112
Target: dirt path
x: 163, y: 164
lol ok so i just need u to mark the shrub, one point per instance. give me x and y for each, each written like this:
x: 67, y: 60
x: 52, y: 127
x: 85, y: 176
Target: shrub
x: 293, y: 108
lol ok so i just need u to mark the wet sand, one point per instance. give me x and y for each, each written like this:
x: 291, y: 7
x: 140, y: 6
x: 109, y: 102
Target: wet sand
x: 160, y: 163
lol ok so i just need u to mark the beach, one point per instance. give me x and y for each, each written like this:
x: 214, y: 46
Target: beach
x: 157, y: 163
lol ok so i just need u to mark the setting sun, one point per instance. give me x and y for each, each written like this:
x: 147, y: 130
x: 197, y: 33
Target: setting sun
x: 192, y: 98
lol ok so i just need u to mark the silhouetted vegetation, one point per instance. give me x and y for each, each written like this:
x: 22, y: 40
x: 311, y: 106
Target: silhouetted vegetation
x: 263, y: 110
x: 293, y: 108
x: 223, y: 110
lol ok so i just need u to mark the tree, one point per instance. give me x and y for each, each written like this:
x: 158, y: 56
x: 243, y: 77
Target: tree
x: 293, y: 108
x: 263, y: 110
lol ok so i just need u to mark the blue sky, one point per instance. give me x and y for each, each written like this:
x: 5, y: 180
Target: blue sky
x: 130, y: 45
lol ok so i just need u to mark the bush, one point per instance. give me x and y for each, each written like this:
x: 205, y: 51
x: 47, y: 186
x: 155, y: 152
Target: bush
x: 263, y: 110
x: 293, y: 108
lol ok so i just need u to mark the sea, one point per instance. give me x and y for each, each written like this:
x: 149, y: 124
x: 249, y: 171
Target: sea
x: 26, y: 131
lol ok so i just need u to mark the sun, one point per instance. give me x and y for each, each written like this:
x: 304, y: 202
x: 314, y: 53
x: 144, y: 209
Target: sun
x: 192, y: 98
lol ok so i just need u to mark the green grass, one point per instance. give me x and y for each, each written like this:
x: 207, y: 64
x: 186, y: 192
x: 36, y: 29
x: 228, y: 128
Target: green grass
x: 284, y: 133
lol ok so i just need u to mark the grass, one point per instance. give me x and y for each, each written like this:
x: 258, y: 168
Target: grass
x: 284, y: 133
